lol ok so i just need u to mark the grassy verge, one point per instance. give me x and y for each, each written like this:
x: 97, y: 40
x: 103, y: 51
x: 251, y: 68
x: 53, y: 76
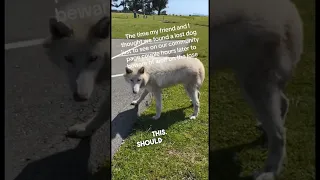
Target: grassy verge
x: 232, y: 126
x: 183, y: 153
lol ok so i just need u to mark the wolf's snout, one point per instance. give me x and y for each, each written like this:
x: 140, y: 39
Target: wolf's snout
x: 136, y: 88
x: 79, y: 98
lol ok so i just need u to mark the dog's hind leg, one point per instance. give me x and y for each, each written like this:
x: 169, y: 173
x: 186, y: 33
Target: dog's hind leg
x: 158, y: 97
x: 194, y: 95
x: 266, y: 100
x: 284, y: 106
x: 284, y: 110
x: 190, y: 94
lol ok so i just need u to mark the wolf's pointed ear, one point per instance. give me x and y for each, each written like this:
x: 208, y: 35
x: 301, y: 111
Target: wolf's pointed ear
x: 58, y: 29
x: 102, y: 28
x: 141, y: 70
x: 128, y: 71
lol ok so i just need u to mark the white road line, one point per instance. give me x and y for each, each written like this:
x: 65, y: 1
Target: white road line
x: 21, y: 44
x: 128, y: 50
x: 116, y: 75
x: 34, y: 42
x: 121, y: 54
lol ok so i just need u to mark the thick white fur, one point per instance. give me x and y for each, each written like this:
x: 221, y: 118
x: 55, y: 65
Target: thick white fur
x: 84, y: 41
x: 156, y: 76
x: 262, y: 41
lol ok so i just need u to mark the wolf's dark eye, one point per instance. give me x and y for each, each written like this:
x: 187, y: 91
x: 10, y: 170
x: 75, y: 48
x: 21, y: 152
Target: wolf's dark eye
x: 131, y: 80
x: 139, y: 80
x: 69, y: 59
x: 93, y: 58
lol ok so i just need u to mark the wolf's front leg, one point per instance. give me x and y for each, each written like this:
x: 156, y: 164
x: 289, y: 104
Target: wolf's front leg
x: 158, y: 98
x: 141, y: 98
x: 81, y: 130
x: 88, y: 128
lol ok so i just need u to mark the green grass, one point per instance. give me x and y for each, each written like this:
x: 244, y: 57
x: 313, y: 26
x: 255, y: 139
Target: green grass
x: 183, y: 153
x: 232, y: 124
x: 184, y: 150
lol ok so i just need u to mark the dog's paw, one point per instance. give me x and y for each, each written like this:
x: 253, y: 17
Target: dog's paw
x: 134, y: 103
x: 192, y: 117
x: 155, y: 117
x: 79, y: 131
x: 264, y: 176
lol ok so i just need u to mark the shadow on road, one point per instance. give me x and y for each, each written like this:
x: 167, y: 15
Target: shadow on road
x: 66, y: 165
x: 123, y: 122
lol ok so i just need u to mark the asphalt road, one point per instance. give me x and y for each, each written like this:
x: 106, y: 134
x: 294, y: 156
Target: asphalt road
x: 38, y: 109
x: 26, y: 20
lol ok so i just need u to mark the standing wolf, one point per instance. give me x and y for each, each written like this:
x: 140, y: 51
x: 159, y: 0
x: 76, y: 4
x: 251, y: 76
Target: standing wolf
x: 262, y: 41
x: 158, y: 75
x: 81, y: 47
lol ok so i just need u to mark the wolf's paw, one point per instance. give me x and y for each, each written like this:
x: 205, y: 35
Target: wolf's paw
x: 79, y: 131
x: 192, y: 117
x: 134, y: 103
x: 264, y: 176
x: 155, y: 117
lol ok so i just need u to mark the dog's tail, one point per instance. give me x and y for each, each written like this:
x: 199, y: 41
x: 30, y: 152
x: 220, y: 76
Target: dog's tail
x: 294, y: 35
x: 292, y: 45
x: 201, y: 74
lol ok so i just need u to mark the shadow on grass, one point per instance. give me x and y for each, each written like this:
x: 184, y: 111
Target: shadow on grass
x: 65, y: 165
x: 224, y: 164
x: 145, y: 122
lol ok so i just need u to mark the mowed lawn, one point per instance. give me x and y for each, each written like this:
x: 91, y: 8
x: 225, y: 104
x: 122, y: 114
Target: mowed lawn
x: 183, y: 153
x: 232, y: 124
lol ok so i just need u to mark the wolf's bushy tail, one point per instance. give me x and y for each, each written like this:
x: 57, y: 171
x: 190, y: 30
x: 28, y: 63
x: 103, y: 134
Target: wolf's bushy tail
x: 294, y: 35
x: 201, y: 75
x: 292, y: 44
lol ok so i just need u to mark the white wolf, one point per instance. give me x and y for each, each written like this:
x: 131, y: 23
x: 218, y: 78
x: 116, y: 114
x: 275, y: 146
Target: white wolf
x: 81, y: 47
x: 262, y: 41
x: 158, y: 75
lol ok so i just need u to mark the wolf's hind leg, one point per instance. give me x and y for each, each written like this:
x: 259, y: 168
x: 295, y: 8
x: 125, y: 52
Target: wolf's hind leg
x: 266, y: 100
x: 190, y: 95
x: 158, y: 98
x: 284, y: 106
x: 194, y: 95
